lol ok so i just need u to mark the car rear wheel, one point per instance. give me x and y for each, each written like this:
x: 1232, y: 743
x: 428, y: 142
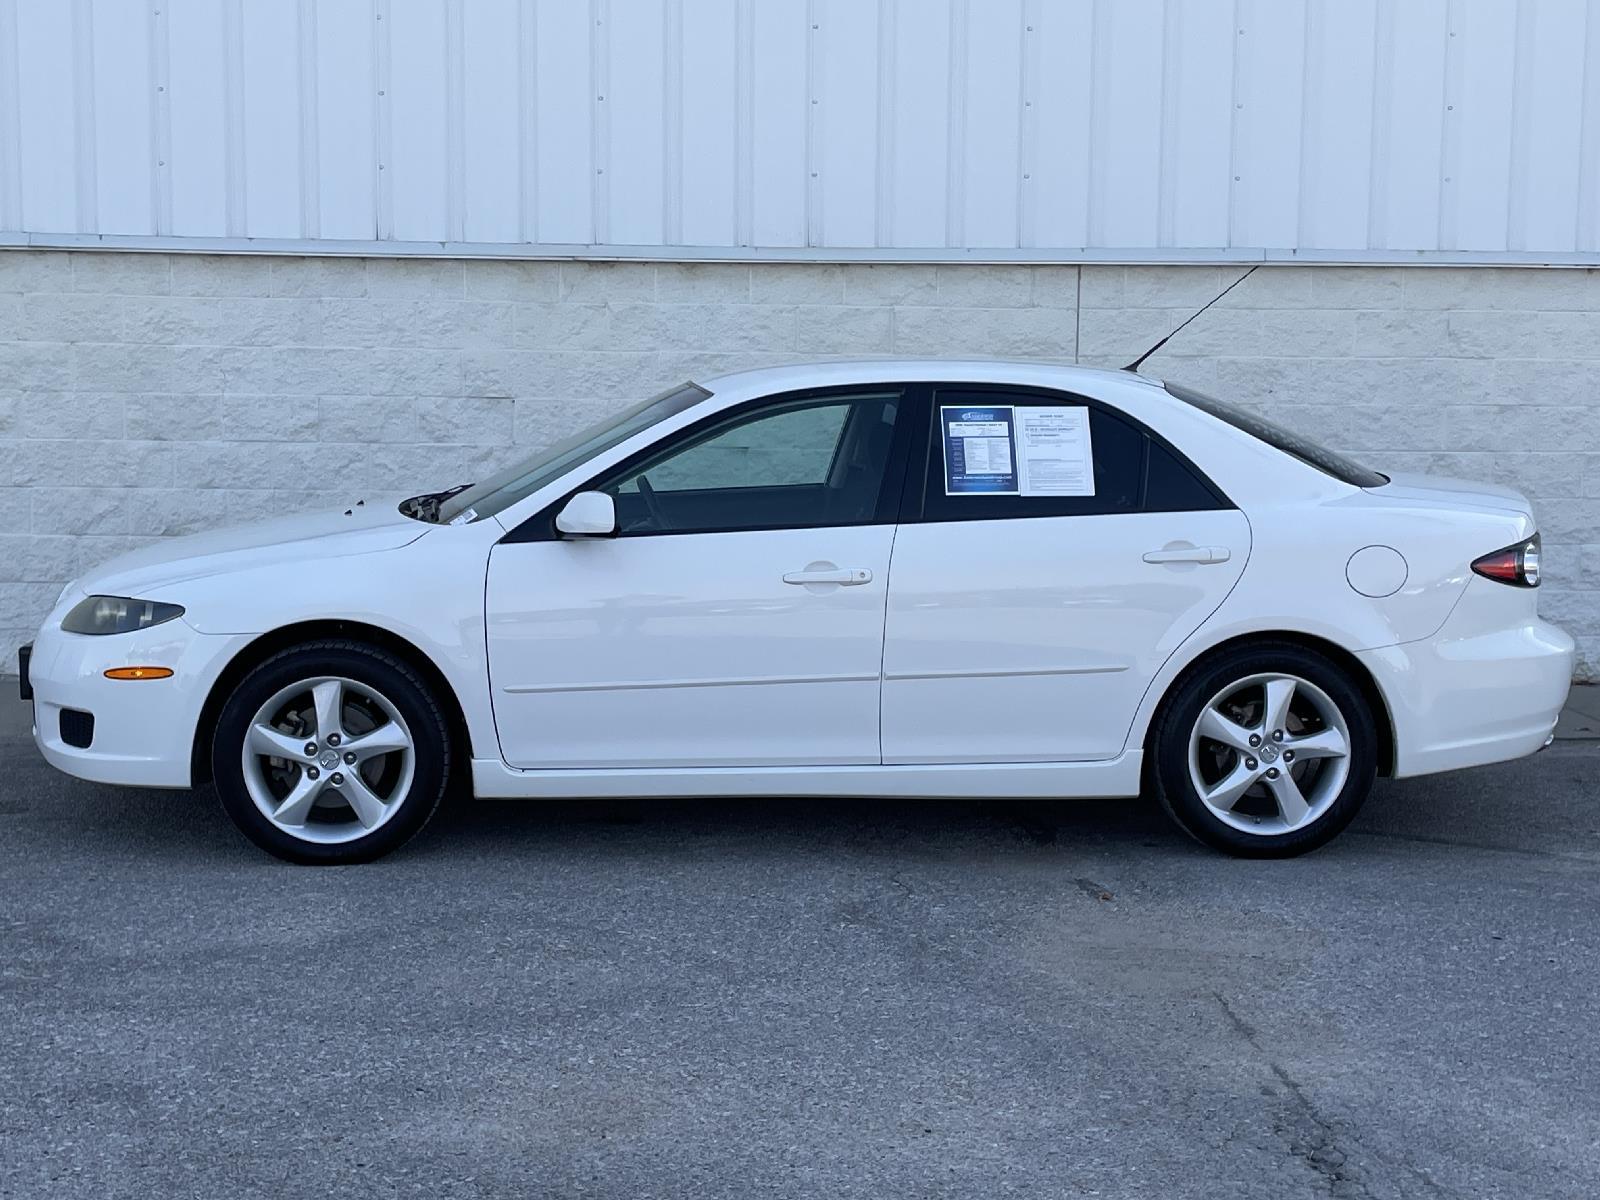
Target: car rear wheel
x: 332, y: 752
x: 1266, y: 753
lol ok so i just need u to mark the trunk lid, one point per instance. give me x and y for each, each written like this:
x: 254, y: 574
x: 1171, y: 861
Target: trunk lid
x: 1452, y: 493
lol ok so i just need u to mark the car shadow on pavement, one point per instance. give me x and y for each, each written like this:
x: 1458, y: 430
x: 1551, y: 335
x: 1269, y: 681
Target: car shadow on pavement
x: 52, y: 813
x: 1538, y: 805
x: 808, y: 823
x: 1532, y: 807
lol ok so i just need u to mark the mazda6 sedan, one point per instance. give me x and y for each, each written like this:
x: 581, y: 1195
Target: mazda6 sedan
x: 915, y: 579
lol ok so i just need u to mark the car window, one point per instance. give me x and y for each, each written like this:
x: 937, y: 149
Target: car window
x: 1172, y: 485
x: 522, y: 479
x: 1313, y: 454
x: 789, y: 448
x: 1128, y: 470
x: 792, y: 464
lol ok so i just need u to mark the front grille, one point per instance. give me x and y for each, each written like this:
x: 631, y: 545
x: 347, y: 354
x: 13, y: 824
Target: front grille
x: 77, y: 727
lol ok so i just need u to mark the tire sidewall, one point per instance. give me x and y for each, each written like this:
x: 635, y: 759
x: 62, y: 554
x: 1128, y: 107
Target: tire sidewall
x: 385, y: 674
x: 1178, y: 721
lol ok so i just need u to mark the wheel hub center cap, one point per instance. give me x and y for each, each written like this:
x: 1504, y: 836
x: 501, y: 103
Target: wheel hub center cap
x: 1269, y: 752
x: 329, y: 759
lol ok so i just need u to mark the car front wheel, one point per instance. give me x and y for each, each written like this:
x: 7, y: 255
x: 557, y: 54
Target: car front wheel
x: 1267, y: 752
x: 331, y: 752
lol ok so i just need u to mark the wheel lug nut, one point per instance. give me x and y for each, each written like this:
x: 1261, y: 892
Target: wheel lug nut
x: 1250, y: 764
x: 336, y: 779
x: 1277, y: 735
x: 1288, y: 756
x: 312, y: 772
x: 350, y: 757
x: 1255, y: 739
x: 1272, y: 772
x: 311, y: 748
x: 333, y: 739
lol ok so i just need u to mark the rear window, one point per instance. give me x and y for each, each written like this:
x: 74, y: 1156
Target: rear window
x: 1311, y: 453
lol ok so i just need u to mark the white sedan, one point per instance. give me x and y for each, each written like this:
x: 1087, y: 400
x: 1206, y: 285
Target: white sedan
x: 889, y: 578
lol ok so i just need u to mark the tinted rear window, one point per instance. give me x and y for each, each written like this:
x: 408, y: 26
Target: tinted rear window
x: 1345, y: 469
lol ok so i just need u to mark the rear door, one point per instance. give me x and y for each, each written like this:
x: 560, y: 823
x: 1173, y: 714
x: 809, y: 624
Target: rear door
x: 1033, y: 593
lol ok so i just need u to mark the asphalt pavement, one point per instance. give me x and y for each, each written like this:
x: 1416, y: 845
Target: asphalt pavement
x: 805, y: 998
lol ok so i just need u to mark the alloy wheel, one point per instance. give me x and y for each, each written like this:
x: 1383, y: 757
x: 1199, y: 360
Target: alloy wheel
x: 328, y: 759
x: 1269, y: 754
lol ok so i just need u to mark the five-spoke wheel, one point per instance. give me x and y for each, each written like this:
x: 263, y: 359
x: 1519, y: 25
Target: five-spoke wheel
x: 331, y: 752
x: 1267, y: 751
x: 328, y: 759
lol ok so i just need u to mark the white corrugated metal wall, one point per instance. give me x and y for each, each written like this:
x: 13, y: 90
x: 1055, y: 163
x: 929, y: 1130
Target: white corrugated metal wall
x: 1356, y: 130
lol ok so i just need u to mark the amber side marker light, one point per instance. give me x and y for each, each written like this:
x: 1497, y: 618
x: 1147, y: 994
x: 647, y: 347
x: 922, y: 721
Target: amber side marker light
x: 139, y: 673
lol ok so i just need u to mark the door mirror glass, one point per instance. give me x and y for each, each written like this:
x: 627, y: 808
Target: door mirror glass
x: 588, y: 514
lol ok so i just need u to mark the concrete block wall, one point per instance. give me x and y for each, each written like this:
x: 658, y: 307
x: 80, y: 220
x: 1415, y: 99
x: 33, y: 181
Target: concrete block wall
x: 148, y: 395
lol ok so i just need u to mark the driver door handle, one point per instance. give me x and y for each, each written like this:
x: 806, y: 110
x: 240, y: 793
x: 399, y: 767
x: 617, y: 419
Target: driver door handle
x: 843, y: 576
x: 1188, y: 554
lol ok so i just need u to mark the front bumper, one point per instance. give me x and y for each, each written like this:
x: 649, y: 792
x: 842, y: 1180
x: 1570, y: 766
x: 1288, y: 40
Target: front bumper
x: 143, y: 729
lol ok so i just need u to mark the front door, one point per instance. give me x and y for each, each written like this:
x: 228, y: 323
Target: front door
x: 736, y: 619
x: 1034, y: 600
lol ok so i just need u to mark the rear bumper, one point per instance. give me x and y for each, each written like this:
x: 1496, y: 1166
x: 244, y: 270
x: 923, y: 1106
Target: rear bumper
x: 1464, y: 698
x: 143, y: 731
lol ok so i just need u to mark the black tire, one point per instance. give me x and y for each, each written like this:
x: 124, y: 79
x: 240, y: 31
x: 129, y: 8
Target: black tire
x: 1170, y: 741
x: 395, y: 680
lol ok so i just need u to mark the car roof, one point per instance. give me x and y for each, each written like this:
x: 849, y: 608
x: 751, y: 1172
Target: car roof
x: 1090, y: 380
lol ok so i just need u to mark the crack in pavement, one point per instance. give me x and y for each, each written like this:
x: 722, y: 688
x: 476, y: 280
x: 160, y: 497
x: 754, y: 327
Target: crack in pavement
x: 1315, y: 1139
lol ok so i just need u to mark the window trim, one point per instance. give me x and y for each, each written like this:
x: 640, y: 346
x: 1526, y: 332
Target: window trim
x: 541, y: 526
x: 915, y: 509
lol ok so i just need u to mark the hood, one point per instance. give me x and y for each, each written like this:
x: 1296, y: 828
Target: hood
x: 1452, y: 493
x: 360, y: 529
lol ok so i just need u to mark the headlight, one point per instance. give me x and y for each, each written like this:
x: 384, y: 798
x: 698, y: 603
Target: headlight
x: 117, y: 614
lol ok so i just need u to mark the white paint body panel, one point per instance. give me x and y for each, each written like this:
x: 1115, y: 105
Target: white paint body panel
x: 143, y: 736
x: 997, y: 629
x: 1487, y: 686
x: 1116, y: 777
x: 688, y: 650
x: 369, y: 567
x: 1467, y: 671
x: 1165, y: 131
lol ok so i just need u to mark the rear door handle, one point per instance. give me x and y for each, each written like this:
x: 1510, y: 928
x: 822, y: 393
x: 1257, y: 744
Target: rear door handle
x: 1189, y: 554
x: 843, y: 576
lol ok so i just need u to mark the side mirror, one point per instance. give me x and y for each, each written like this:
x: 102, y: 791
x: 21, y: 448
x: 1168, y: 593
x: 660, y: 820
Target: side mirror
x: 588, y: 514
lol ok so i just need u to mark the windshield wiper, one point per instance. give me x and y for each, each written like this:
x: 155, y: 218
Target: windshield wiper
x: 426, y: 506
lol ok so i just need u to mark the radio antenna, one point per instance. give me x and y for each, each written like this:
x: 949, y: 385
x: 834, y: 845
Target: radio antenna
x: 1139, y: 362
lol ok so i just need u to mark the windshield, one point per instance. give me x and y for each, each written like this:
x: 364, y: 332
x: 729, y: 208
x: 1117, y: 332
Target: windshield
x: 1311, y: 453
x: 522, y: 479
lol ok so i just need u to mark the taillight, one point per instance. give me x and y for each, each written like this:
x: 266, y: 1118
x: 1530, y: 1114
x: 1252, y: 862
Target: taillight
x: 1517, y: 565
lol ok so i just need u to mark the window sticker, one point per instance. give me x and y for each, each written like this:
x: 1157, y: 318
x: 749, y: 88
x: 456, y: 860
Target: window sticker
x: 1013, y: 450
x: 979, y: 455
x: 1055, y: 455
